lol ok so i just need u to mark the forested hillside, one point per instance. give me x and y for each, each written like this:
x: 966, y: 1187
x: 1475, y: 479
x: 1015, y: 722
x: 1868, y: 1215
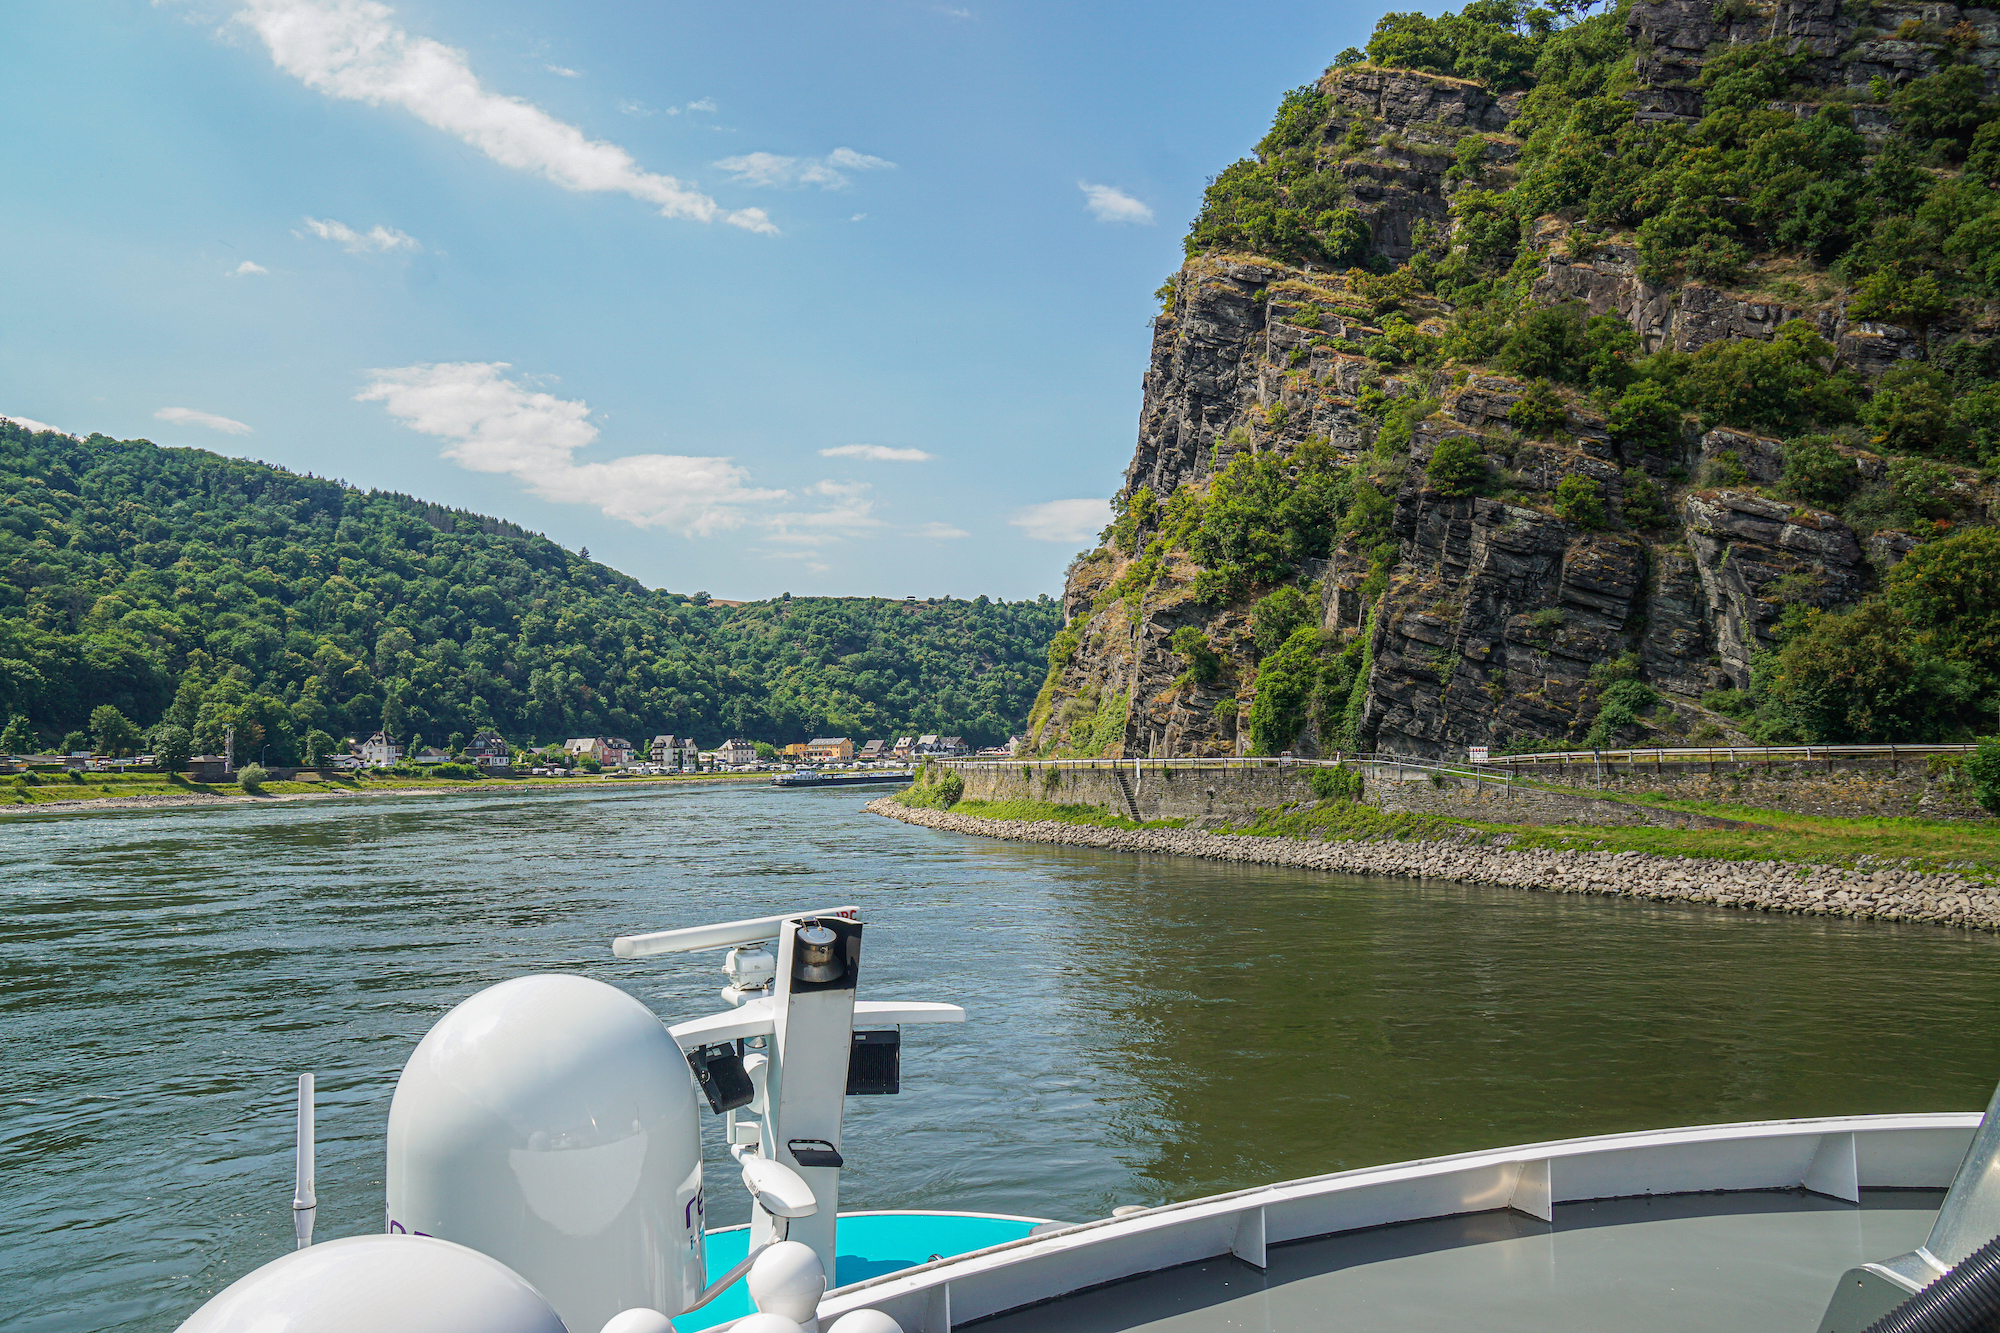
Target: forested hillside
x: 178, y: 585
x: 1549, y: 378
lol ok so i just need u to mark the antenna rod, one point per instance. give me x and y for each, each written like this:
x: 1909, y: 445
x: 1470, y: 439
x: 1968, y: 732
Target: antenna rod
x: 696, y: 938
x: 303, y: 1202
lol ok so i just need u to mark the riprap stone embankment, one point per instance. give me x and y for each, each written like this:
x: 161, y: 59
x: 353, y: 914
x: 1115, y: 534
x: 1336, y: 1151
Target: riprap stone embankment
x: 1883, y: 894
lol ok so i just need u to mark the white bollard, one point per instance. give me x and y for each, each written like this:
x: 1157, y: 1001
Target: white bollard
x: 865, y: 1321
x: 639, y: 1319
x: 787, y: 1280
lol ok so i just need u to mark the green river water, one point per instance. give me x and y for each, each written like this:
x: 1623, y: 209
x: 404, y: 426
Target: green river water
x: 1141, y: 1028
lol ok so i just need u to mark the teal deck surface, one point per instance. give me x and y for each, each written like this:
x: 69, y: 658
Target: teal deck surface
x: 866, y: 1245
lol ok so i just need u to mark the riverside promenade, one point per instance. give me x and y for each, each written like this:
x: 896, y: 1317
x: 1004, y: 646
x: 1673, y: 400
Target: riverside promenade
x: 1884, y: 894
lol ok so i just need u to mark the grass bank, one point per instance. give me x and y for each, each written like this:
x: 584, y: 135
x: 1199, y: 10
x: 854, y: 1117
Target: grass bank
x: 1970, y: 848
x: 1966, y: 847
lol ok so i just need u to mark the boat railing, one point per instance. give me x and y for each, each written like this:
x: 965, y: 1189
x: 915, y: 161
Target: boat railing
x: 1837, y: 1157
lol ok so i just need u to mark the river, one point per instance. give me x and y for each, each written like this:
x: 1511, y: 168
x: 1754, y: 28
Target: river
x: 1141, y: 1029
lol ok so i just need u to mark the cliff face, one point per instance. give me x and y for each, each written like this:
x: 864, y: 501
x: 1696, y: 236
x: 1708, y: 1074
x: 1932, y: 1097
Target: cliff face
x: 1493, y: 620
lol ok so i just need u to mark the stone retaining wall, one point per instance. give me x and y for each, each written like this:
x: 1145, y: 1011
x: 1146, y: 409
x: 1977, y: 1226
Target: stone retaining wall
x: 1885, y: 894
x: 1854, y: 788
x: 1212, y: 796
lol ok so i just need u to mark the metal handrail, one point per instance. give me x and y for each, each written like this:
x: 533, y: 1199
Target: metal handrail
x: 1729, y: 753
x: 1367, y: 759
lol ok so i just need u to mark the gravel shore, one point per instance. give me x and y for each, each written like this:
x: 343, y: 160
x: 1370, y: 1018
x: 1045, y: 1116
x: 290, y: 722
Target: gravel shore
x: 1881, y: 894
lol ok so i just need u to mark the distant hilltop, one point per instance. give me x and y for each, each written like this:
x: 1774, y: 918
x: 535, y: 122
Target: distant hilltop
x: 182, y: 588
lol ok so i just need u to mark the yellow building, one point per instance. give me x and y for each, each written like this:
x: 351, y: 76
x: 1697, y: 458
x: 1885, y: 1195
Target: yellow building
x: 830, y: 748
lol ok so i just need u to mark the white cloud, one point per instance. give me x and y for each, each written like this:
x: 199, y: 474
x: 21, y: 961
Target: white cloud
x: 954, y: 13
x: 940, y: 531
x: 187, y: 416
x: 30, y: 424
x: 566, y: 72
x: 353, y: 49
x: 850, y: 512
x: 826, y: 172
x: 1069, y: 521
x: 1109, y: 205
x: 496, y: 424
x: 633, y: 107
x: 857, y: 217
x: 248, y: 267
x: 704, y: 104
x: 876, y: 453
x: 378, y: 238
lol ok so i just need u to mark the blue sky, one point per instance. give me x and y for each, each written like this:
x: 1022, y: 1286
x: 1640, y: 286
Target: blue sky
x: 746, y: 298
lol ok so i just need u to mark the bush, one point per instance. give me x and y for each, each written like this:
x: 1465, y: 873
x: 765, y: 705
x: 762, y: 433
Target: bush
x: 1274, y: 618
x: 1539, y: 412
x: 936, y: 789
x: 1204, y: 663
x: 1983, y: 767
x: 455, y: 770
x: 1578, y: 500
x: 1457, y: 467
x: 1618, y: 708
x: 1339, y: 783
x: 252, y: 777
x: 1644, y: 507
x: 1911, y: 412
x: 1816, y: 473
x: 1286, y: 683
x: 1922, y: 489
x: 1644, y: 419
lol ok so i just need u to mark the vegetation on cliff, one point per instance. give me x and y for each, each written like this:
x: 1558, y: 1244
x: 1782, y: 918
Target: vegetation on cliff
x: 176, y: 586
x: 1712, y: 334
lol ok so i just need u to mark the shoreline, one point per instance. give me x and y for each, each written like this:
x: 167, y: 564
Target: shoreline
x: 1791, y: 887
x: 491, y: 785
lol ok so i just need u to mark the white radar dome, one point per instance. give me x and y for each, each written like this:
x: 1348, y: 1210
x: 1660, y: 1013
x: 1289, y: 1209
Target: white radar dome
x: 550, y: 1122
x: 384, y: 1284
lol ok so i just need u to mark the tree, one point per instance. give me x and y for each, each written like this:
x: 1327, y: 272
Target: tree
x: 75, y: 742
x: 172, y: 747
x: 114, y: 733
x: 1949, y: 593
x: 318, y: 745
x: 17, y: 737
x: 1863, y: 676
x: 1456, y: 468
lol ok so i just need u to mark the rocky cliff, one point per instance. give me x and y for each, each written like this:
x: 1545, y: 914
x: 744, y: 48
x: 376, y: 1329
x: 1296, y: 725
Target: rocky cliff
x: 1499, y: 611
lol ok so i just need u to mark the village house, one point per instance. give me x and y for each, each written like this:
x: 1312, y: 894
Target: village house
x: 489, y: 750
x: 940, y: 747
x: 610, y: 751
x: 794, y: 752
x: 875, y: 750
x: 904, y: 747
x: 823, y: 749
x: 676, y: 754
x: 430, y: 754
x: 736, y: 753
x: 378, y: 751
